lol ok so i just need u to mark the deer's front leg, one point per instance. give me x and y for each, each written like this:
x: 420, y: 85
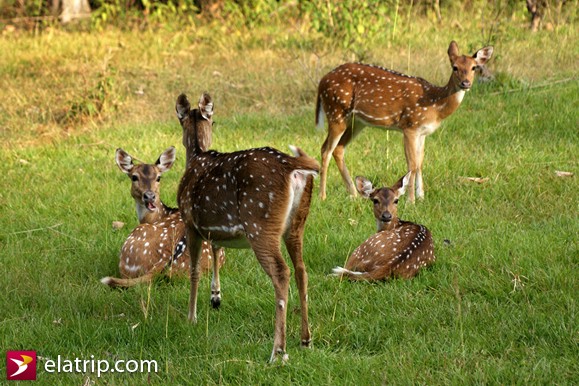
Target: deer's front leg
x: 410, y: 150
x: 419, y: 160
x: 194, y: 242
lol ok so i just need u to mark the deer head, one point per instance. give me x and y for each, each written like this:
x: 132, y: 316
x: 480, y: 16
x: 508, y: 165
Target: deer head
x: 465, y: 67
x: 145, y: 181
x: 385, y: 200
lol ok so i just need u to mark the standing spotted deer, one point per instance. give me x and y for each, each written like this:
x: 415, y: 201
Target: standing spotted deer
x: 398, y: 249
x: 246, y: 199
x: 159, y: 241
x: 355, y: 95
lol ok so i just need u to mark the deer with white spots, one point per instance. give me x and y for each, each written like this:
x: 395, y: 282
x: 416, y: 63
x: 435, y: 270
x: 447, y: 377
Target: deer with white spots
x: 398, y: 249
x: 355, y: 95
x: 246, y: 199
x: 159, y: 241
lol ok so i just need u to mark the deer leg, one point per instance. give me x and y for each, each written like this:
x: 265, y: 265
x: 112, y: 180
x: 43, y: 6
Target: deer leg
x: 339, y: 158
x: 335, y: 132
x: 194, y: 242
x: 215, y: 284
x: 410, y: 145
x: 294, y: 245
x: 419, y: 159
x: 293, y: 239
x: 269, y: 256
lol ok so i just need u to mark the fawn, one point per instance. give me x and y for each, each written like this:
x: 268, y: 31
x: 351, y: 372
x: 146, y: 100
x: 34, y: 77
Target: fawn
x: 398, y: 249
x: 159, y: 241
x: 355, y: 95
x: 246, y: 199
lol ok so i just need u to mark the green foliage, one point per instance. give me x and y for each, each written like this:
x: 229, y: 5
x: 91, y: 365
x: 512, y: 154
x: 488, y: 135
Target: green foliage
x: 146, y: 13
x: 353, y: 23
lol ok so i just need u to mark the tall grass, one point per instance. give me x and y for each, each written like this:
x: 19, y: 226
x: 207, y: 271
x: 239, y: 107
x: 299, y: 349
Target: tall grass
x: 499, y: 306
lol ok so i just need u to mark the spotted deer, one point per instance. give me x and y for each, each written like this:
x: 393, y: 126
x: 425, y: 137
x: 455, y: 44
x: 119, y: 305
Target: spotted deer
x: 246, y: 199
x: 355, y: 95
x: 158, y: 242
x: 398, y: 249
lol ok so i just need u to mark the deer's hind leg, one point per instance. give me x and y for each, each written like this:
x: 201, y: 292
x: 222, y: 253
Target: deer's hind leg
x: 293, y: 239
x: 194, y: 242
x: 215, y: 283
x: 269, y: 255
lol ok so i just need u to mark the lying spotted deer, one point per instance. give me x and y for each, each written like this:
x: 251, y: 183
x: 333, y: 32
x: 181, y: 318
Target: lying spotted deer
x: 356, y: 95
x: 246, y: 199
x: 158, y: 242
x: 398, y: 249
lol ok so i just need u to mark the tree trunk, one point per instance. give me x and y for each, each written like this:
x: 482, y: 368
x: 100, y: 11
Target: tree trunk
x: 74, y: 9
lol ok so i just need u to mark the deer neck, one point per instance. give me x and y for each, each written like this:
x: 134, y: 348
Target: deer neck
x: 149, y: 217
x: 387, y: 226
x: 446, y: 99
x: 199, y: 138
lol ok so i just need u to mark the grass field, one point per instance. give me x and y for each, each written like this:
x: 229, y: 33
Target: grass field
x: 498, y: 307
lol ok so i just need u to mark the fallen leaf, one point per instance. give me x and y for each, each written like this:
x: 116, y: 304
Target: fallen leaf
x: 560, y: 173
x: 118, y: 225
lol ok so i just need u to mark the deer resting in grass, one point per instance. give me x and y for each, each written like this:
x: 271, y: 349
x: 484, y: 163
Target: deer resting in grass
x: 159, y: 241
x: 354, y: 95
x: 398, y: 249
x: 246, y: 199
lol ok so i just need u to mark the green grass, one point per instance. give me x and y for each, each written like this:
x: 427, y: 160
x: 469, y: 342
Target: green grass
x: 498, y: 307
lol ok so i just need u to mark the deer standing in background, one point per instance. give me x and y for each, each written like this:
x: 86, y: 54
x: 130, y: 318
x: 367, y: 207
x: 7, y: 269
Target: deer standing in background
x: 246, y: 199
x: 398, y: 249
x: 355, y: 95
x: 159, y: 241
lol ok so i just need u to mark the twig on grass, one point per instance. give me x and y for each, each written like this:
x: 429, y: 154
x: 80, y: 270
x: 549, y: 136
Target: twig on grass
x: 33, y: 230
x: 542, y: 85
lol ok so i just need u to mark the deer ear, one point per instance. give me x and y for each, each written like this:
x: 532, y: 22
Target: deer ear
x: 364, y: 186
x: 206, y: 106
x: 400, y: 186
x: 453, y: 51
x: 124, y: 161
x: 483, y: 55
x: 182, y: 107
x: 166, y: 160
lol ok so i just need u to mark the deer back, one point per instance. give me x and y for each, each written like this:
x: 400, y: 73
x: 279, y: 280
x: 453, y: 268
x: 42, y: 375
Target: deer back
x: 236, y: 195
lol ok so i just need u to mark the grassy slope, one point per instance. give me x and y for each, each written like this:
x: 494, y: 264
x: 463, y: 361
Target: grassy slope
x: 463, y: 321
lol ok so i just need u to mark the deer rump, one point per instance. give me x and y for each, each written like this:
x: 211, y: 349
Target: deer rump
x: 234, y: 198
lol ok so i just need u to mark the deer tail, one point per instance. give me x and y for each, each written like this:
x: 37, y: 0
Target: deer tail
x: 304, y: 161
x: 352, y: 275
x: 319, y: 113
x: 114, y: 282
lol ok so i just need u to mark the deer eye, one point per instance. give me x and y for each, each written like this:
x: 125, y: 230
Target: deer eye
x: 474, y: 68
x: 454, y: 68
x: 375, y: 201
x: 396, y: 201
x: 135, y: 178
x: 158, y: 178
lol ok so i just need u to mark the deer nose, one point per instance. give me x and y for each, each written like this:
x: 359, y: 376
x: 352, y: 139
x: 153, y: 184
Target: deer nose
x: 386, y: 217
x: 149, y: 196
x: 465, y: 84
